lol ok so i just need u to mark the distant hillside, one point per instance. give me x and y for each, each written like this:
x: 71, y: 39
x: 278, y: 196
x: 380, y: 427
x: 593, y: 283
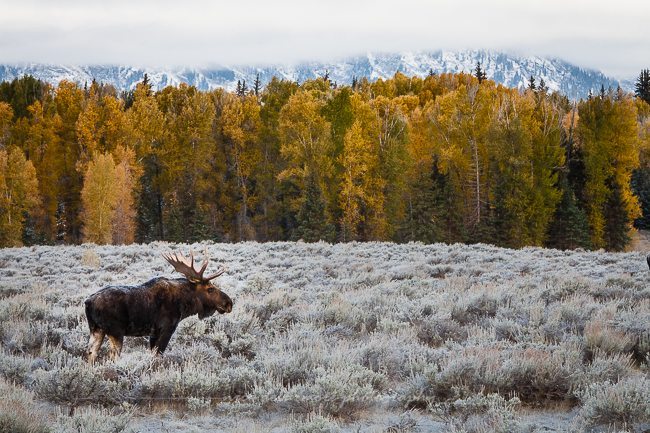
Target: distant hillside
x: 510, y: 70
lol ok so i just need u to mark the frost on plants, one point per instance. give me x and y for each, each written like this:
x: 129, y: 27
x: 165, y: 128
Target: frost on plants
x: 345, y: 337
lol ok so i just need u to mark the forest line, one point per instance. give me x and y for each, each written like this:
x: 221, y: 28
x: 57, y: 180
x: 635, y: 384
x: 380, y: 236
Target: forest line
x: 446, y: 158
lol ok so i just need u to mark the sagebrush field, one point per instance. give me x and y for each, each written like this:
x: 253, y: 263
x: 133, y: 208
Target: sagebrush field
x: 368, y: 337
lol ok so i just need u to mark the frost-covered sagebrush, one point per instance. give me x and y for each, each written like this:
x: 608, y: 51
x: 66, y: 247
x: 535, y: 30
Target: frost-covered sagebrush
x: 342, y: 336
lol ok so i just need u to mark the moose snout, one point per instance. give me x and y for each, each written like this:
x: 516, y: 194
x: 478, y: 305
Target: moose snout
x: 226, y: 306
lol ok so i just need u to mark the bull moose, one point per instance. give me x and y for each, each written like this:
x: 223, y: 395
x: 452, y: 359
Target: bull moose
x: 154, y: 308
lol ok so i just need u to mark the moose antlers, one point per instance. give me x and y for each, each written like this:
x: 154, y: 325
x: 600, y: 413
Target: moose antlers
x: 180, y: 264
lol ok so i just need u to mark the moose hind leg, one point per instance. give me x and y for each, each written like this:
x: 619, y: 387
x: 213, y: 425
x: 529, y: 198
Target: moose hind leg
x: 94, y: 343
x: 116, y: 346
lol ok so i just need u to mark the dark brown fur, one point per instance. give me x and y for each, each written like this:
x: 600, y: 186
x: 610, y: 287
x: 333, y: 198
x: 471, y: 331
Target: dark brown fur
x: 152, y: 309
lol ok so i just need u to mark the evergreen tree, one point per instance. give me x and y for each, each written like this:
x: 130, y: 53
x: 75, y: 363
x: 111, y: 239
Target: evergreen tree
x: 149, y: 218
x: 479, y: 73
x: 313, y: 223
x: 642, y: 86
x: 641, y: 188
x: 448, y: 209
x: 543, y: 88
x: 21, y: 93
x: 570, y: 227
x: 257, y: 85
x: 127, y: 97
x: 531, y: 84
x: 146, y: 83
x: 617, y: 219
x: 427, y: 213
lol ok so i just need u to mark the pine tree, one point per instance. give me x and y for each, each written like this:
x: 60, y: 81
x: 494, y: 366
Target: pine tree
x: 543, y: 88
x: 257, y: 85
x: 146, y: 84
x: 22, y: 92
x: 479, y: 73
x: 617, y: 219
x: 570, y: 227
x: 531, y: 84
x: 428, y: 215
x: 641, y: 188
x: 642, y: 86
x: 313, y: 223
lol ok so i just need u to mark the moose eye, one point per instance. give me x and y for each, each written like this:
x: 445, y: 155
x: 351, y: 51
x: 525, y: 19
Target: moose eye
x: 211, y: 290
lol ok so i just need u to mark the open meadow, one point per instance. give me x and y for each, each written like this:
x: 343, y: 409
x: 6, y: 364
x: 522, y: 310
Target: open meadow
x: 357, y: 337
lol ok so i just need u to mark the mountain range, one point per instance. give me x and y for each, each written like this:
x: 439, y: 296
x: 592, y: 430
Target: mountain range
x: 508, y: 69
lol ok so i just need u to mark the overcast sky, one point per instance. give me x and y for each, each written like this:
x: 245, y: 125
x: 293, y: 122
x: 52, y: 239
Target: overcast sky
x: 611, y: 36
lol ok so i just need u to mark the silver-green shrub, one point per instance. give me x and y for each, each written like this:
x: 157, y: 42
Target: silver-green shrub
x: 621, y: 404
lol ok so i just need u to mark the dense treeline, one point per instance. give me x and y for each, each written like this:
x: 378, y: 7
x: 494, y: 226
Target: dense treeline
x: 451, y: 157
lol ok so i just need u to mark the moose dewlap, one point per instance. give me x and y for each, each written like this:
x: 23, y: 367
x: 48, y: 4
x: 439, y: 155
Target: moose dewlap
x: 153, y: 309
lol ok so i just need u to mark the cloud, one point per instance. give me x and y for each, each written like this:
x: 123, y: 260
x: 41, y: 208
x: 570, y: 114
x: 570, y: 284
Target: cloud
x: 597, y: 34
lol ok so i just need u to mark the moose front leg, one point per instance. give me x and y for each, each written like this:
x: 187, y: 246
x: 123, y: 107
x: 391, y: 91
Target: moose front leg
x: 163, y: 336
x: 153, y: 338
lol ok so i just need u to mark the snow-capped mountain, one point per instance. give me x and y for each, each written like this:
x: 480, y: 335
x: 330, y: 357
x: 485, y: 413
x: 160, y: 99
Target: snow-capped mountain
x: 508, y: 69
